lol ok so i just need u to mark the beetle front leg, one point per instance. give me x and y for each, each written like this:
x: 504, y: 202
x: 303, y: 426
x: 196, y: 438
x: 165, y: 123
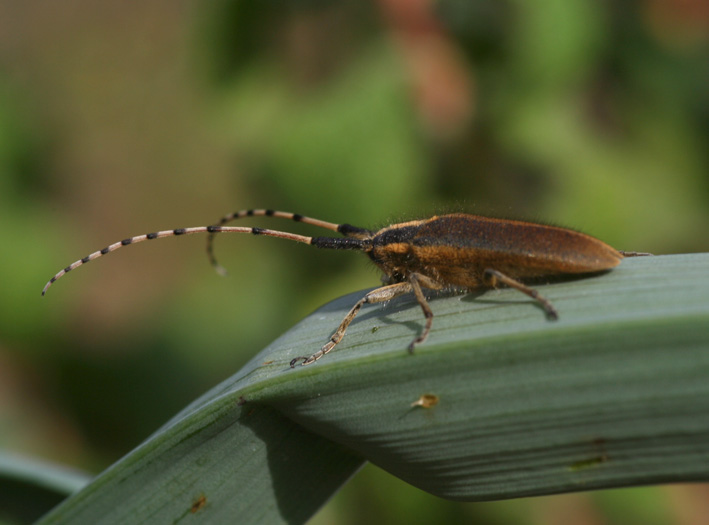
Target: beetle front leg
x: 380, y: 295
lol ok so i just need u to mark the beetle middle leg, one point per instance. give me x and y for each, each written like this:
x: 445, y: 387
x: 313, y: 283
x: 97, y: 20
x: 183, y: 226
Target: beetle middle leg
x: 417, y: 281
x: 492, y: 277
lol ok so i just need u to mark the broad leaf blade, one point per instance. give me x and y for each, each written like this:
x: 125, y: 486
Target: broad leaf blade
x: 220, y: 463
x: 614, y: 393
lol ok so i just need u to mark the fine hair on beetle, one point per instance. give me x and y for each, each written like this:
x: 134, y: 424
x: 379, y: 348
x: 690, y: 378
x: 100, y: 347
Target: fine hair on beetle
x: 453, y: 251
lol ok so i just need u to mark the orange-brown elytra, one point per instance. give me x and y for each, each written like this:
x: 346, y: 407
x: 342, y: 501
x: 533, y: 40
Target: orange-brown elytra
x: 456, y: 251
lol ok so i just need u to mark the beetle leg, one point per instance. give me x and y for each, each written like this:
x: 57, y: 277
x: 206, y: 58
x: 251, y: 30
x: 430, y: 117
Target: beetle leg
x: 380, y: 295
x: 492, y: 277
x: 417, y: 281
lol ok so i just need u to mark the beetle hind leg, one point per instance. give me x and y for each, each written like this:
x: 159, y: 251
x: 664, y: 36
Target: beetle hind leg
x: 492, y: 277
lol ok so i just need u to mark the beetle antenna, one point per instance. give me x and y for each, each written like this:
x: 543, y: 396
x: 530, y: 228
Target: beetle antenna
x: 319, y: 242
x: 345, y: 229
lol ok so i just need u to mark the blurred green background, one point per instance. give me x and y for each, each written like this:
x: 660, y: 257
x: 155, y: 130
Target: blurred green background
x: 119, y: 118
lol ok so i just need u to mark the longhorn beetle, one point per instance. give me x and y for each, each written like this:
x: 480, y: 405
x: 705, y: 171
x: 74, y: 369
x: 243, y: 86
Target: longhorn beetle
x: 456, y: 251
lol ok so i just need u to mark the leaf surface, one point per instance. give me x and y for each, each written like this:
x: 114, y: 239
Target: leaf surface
x: 614, y: 393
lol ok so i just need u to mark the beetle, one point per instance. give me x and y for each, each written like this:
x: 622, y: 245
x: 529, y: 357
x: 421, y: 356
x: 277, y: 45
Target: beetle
x: 453, y: 251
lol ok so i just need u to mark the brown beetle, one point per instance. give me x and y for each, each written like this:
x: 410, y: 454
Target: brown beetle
x: 458, y: 251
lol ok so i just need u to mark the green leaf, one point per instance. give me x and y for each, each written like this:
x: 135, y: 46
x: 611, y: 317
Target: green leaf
x: 221, y: 461
x: 29, y: 488
x: 614, y: 393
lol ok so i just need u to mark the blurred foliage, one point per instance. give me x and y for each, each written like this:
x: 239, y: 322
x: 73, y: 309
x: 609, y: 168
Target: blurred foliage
x: 116, y: 119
